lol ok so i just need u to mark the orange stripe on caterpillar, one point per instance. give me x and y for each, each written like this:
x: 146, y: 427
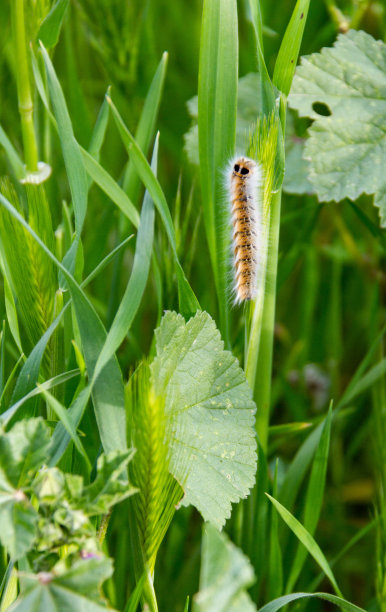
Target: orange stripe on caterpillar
x: 244, y: 184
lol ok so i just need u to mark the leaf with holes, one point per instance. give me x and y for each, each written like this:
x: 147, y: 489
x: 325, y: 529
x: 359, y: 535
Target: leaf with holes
x: 343, y: 89
x: 209, y: 412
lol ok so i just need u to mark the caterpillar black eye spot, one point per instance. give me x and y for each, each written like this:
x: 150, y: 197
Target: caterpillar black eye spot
x: 244, y: 171
x: 236, y: 167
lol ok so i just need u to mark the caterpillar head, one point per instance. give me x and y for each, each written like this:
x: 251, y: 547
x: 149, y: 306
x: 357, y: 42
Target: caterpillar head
x: 243, y: 167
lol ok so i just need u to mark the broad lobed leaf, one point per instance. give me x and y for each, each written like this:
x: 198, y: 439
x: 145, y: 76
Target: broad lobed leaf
x: 347, y: 149
x: 209, y: 411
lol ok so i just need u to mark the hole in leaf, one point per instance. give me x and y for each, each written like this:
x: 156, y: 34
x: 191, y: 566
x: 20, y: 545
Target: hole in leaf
x: 321, y: 108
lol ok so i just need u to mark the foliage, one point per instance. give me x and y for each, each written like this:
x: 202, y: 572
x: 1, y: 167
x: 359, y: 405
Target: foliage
x: 126, y: 376
x: 225, y: 576
x: 342, y: 89
x: 209, y: 413
x: 44, y: 511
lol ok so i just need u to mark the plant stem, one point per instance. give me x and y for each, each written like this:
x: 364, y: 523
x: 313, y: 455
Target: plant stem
x: 23, y: 86
x: 341, y: 22
x: 262, y: 385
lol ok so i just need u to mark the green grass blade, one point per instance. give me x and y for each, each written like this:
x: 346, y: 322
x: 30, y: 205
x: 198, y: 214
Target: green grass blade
x: 361, y: 369
x: 267, y: 91
x: 2, y: 355
x: 146, y: 126
x: 99, y: 131
x: 10, y: 378
x: 110, y: 187
x: 307, y: 540
x: 134, y: 599
x: 51, y: 383
x: 50, y: 28
x: 8, y: 587
x: 105, y: 261
x: 30, y: 370
x: 289, y: 48
x: 374, y: 229
x: 275, y: 575
x: 256, y: 532
x: 12, y: 155
x: 61, y: 437
x: 358, y: 536
x: 277, y: 604
x: 29, y: 374
x: 217, y: 105
x: 62, y: 413
x: 299, y: 466
x: 314, y: 498
x: 72, y: 156
x: 367, y: 381
x: 108, y: 397
x: 188, y: 301
x: 138, y: 279
x: 10, y: 308
x: 186, y: 606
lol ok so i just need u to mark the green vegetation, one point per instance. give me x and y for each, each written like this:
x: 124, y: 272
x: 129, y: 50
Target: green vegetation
x: 160, y: 448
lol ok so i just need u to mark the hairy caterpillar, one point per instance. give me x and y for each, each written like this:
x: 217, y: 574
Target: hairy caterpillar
x: 245, y: 179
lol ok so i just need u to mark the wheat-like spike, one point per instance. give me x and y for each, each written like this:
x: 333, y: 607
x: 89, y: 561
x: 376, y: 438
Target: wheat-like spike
x: 32, y: 274
x: 159, y: 492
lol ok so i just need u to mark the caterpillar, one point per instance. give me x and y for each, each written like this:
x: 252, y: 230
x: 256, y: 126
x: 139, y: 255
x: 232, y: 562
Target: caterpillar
x: 245, y: 179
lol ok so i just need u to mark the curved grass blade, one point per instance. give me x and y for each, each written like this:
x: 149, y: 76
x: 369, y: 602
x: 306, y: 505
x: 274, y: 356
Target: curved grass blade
x: 71, y: 154
x: 187, y: 299
x: 314, y: 498
x: 10, y: 306
x: 30, y: 370
x: 110, y: 187
x: 368, y: 380
x: 62, y: 413
x: 289, y: 49
x: 267, y: 91
x: 50, y: 28
x: 134, y: 599
x: 138, y: 279
x: 358, y: 536
x: 99, y: 130
x: 307, y: 540
x: 12, y: 155
x: 10, y: 378
x: 48, y: 384
x: 275, y: 574
x: 279, y: 603
x: 146, y: 126
x: 61, y: 437
x: 105, y: 261
x: 298, y: 468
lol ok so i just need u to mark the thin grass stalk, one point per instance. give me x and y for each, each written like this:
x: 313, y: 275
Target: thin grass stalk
x: 262, y: 386
x: 23, y: 86
x: 258, y: 363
